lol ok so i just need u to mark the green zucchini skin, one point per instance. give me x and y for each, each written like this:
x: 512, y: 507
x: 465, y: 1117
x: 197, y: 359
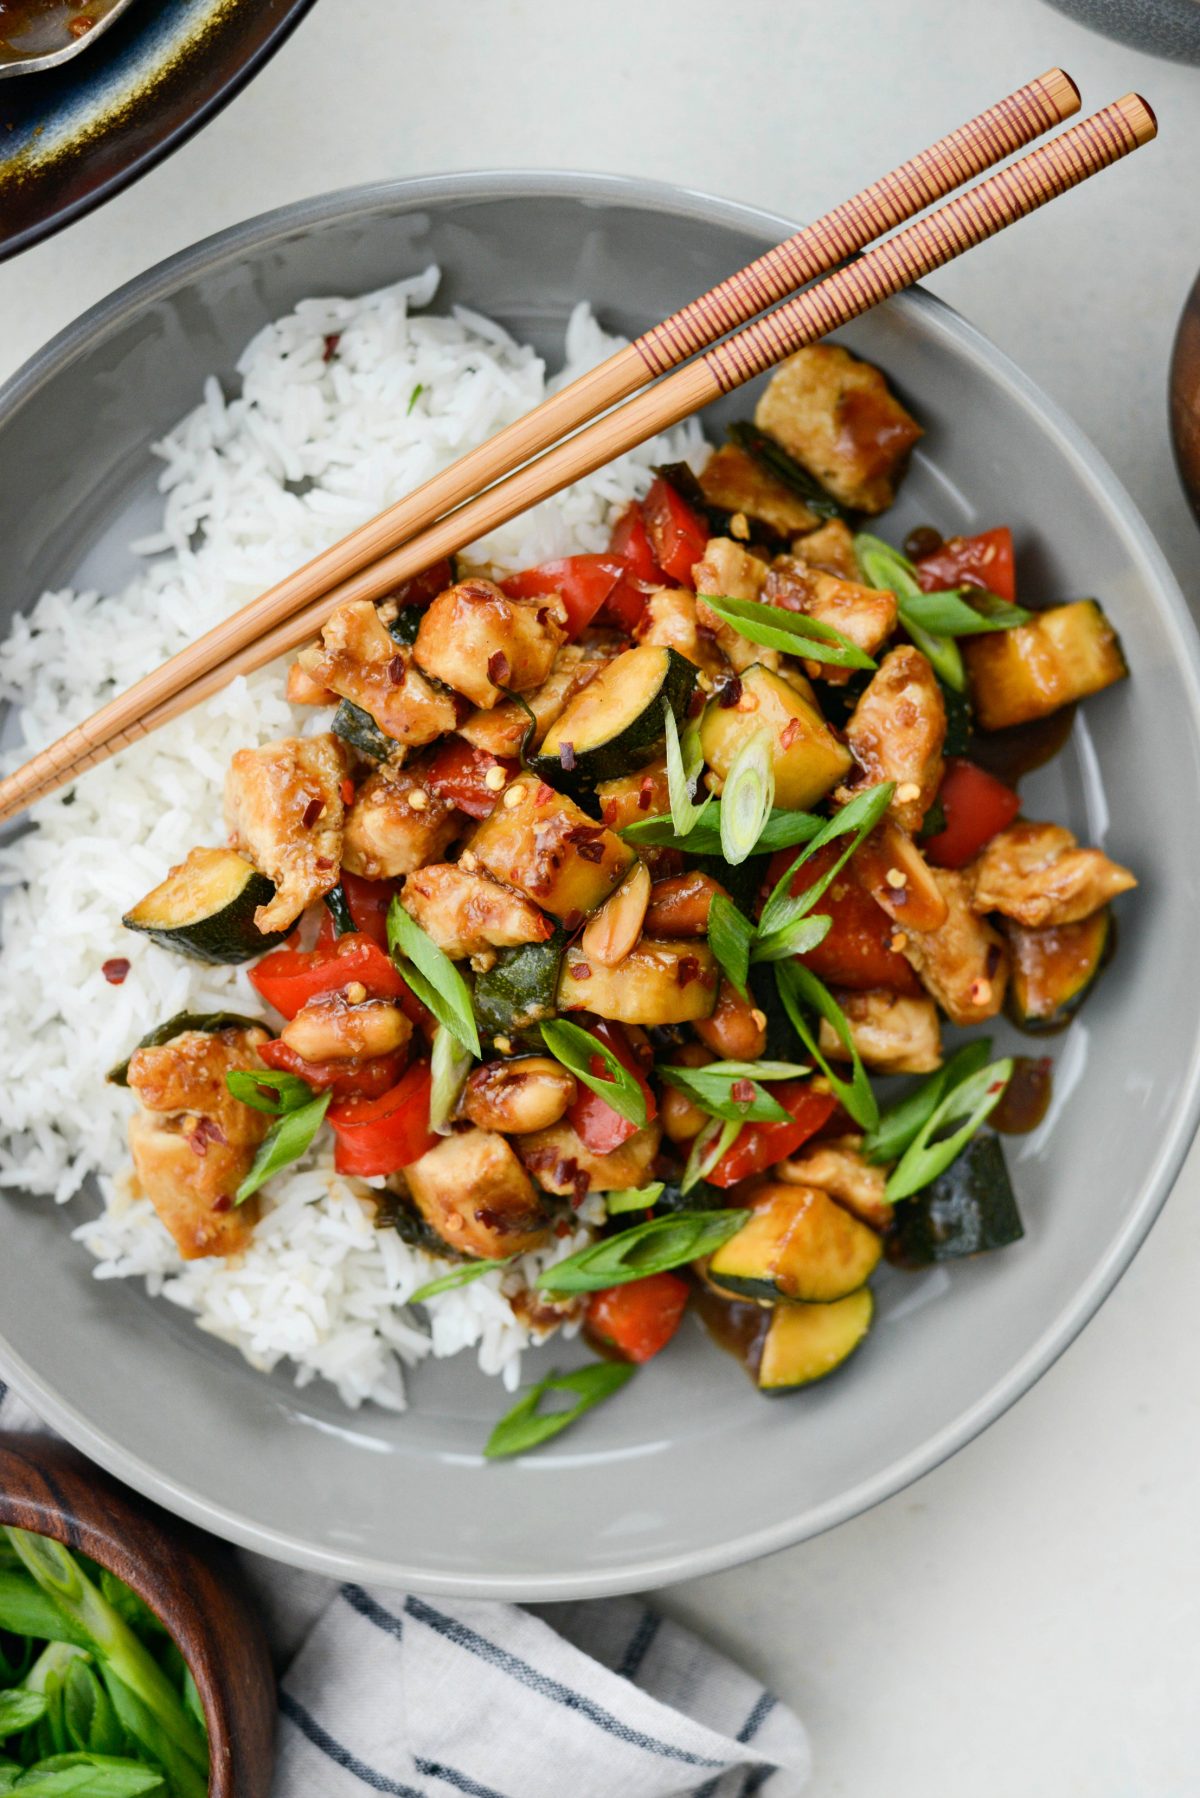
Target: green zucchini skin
x: 1054, y: 970
x: 775, y: 459
x: 357, y: 728
x: 405, y: 625
x: 517, y: 993
x: 209, y: 1022
x: 616, y: 722
x: 797, y: 1245
x: 205, y: 909
x: 969, y: 1210
x: 338, y: 907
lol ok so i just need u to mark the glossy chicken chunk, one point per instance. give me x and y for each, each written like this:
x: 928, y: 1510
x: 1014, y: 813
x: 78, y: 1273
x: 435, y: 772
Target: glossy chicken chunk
x: 893, y: 1035
x: 964, y: 963
x: 477, y: 640
x: 897, y: 730
x: 284, y: 811
x: 838, y: 1166
x: 728, y: 571
x: 396, y: 824
x: 734, y: 482
x: 359, y: 660
x: 1037, y: 874
x: 467, y: 913
x: 559, y: 1161
x: 193, y: 1143
x: 839, y: 419
x: 540, y: 842
x: 671, y: 621
x: 866, y: 615
x: 502, y: 729
x: 474, y: 1192
x: 830, y: 548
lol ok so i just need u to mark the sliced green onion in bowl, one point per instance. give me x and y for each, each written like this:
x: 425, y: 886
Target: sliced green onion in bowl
x: 449, y: 1065
x: 747, y: 797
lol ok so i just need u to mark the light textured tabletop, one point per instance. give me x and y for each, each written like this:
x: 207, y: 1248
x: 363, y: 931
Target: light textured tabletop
x: 1026, y: 1619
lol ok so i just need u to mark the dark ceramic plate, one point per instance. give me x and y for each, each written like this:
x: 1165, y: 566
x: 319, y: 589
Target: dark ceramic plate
x: 1185, y: 397
x: 70, y: 137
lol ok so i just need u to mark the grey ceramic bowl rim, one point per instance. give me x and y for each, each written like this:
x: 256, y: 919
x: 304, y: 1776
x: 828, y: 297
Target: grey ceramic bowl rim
x: 1068, y: 441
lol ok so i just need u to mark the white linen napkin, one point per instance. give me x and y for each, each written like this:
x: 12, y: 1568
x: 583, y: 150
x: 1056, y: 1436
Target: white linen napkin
x: 425, y: 1697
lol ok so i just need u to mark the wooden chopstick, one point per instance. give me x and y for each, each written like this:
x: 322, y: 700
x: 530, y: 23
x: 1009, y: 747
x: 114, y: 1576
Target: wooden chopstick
x: 927, y: 177
x: 926, y: 244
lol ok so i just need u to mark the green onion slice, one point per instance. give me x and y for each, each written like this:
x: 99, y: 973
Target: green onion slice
x: 952, y: 614
x: 799, y: 988
x: 747, y: 797
x: 856, y: 821
x: 884, y: 567
x: 930, y: 1152
x: 707, y: 1150
x: 684, y: 761
x: 432, y: 976
x: 649, y: 1248
x: 525, y: 1427
x: 285, y: 1142
x: 449, y: 1065
x: 899, y: 1123
x: 712, y: 1089
x: 266, y: 1090
x: 458, y: 1276
x: 782, y: 830
x: 795, y: 633
x: 633, y: 1198
x: 730, y: 934
x: 577, y: 1048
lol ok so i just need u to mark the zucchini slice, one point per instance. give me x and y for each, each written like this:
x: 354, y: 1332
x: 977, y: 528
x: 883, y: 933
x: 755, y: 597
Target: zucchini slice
x: 658, y: 982
x: 205, y: 908
x: 1060, y: 656
x: 807, y: 757
x: 968, y: 1210
x: 357, y: 728
x: 799, y: 1244
x: 209, y: 1022
x: 803, y: 1343
x: 540, y: 842
x: 616, y: 722
x: 517, y: 992
x: 1054, y: 969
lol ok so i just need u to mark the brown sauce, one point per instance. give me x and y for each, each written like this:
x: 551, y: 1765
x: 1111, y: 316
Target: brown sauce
x: 740, y: 1329
x: 1027, y: 1099
x: 1010, y: 754
x: 39, y: 27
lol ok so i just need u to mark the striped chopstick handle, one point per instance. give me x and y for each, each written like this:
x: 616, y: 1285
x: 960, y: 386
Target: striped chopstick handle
x: 1008, y: 126
x: 959, y: 225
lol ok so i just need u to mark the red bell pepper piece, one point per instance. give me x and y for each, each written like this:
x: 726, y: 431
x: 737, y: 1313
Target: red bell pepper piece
x: 377, y: 1136
x: 583, y: 582
x: 856, y: 953
x: 982, y: 561
x: 368, y: 901
x: 458, y: 774
x: 289, y: 978
x: 630, y: 545
x: 425, y: 587
x: 759, y: 1146
x: 640, y: 1318
x: 349, y: 1078
x: 598, y: 1126
x: 678, y: 535
x: 977, y: 806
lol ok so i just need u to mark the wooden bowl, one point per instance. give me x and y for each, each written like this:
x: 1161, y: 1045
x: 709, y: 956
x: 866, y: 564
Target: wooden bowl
x: 1185, y: 397
x: 185, y: 1577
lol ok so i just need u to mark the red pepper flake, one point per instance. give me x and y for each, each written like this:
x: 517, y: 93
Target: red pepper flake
x: 498, y: 668
x: 224, y: 1203
x: 347, y: 791
x: 645, y: 793
x: 542, y: 794
x: 312, y: 812
x: 742, y: 1091
x: 590, y: 850
x: 115, y: 970
x: 566, y: 755
x: 331, y: 343
x: 206, y: 1131
x: 562, y: 1228
x: 696, y: 703
x: 395, y: 671
x: 581, y: 971
x: 571, y: 921
x: 582, y: 1186
x: 687, y: 970
x: 610, y: 808
x: 324, y: 864
x: 730, y: 693
x: 791, y: 731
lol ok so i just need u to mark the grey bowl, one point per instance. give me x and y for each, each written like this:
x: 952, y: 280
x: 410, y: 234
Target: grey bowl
x: 689, y: 1471
x: 1160, y: 27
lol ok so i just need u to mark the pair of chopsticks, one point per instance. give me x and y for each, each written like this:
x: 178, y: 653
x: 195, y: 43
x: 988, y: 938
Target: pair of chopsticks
x: 701, y: 352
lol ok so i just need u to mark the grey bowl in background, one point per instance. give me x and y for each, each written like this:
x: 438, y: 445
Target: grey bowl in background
x: 1160, y: 27
x: 689, y: 1470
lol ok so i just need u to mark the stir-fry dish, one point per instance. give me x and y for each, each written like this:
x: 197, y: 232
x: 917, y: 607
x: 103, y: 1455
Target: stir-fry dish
x: 596, y: 897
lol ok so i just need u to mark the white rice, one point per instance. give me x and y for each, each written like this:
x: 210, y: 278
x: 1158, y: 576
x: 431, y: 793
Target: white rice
x: 255, y: 483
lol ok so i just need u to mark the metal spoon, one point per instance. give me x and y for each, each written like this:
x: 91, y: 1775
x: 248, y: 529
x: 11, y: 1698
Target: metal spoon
x: 52, y: 35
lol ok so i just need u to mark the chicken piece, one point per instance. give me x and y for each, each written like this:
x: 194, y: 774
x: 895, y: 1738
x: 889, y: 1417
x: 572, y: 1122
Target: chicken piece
x: 897, y: 876
x: 894, y: 1035
x: 838, y: 1167
x: 1037, y: 874
x: 896, y: 732
x: 302, y: 689
x: 734, y: 482
x: 193, y: 1143
x: 474, y: 1192
x: 468, y: 913
x: 728, y: 571
x: 559, y: 1161
x: 482, y: 643
x: 284, y: 810
x: 361, y: 662
x: 501, y: 729
x: 331, y: 1028
x: 397, y: 824
x: 964, y: 963
x: 866, y: 615
x: 830, y: 548
x: 839, y: 419
x: 671, y: 620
